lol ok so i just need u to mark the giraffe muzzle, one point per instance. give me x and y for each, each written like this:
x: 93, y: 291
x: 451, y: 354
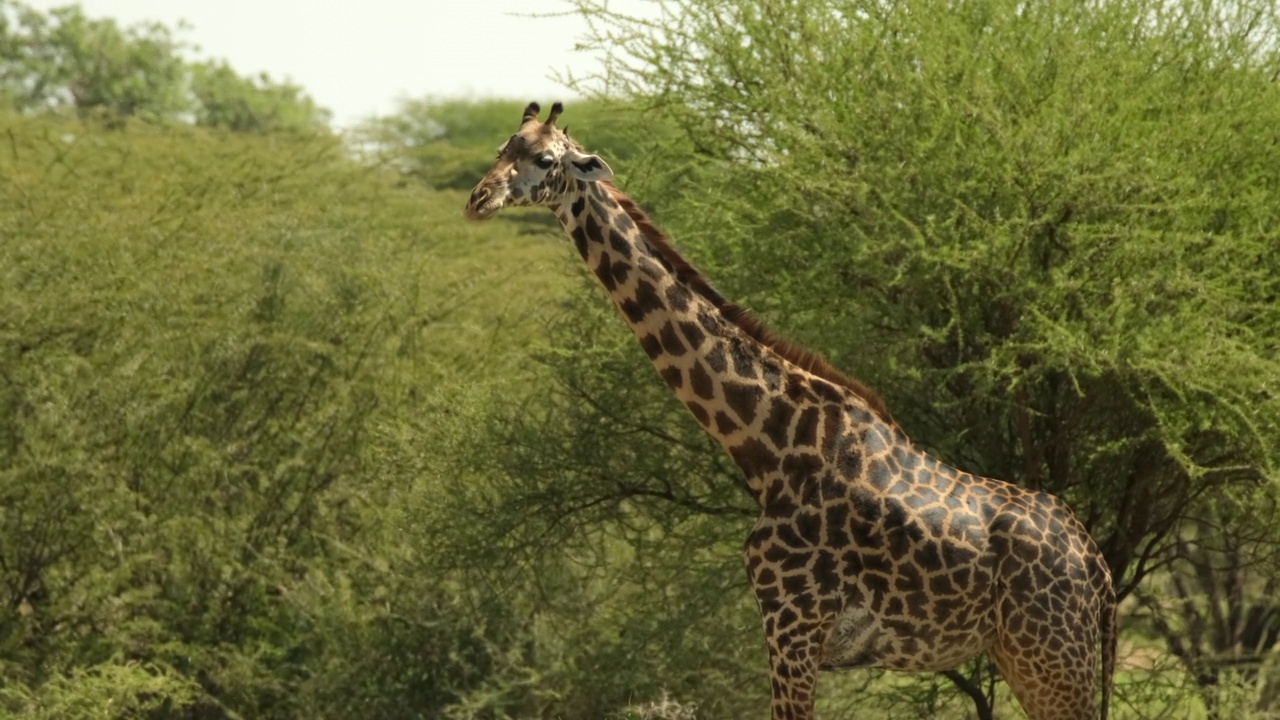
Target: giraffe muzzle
x: 482, y: 205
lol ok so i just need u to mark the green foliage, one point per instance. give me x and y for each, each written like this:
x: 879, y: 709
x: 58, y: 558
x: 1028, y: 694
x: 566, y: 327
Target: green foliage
x: 251, y: 104
x: 627, y: 586
x: 110, y: 690
x: 65, y: 61
x: 223, y: 360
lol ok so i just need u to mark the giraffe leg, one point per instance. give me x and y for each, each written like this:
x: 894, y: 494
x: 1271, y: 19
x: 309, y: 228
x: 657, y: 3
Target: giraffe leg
x: 794, y: 652
x: 1051, y: 670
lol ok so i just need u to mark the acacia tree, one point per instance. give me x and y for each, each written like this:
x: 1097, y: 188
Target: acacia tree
x: 1217, y: 610
x: 228, y: 100
x: 64, y: 58
x: 1044, y: 231
x: 66, y: 61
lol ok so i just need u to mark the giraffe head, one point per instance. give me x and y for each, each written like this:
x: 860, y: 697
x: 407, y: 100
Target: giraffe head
x: 536, y: 166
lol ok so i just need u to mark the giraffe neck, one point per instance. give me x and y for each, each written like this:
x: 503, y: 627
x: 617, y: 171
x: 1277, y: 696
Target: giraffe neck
x: 736, y: 387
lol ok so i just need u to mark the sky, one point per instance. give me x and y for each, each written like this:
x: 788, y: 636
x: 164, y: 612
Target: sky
x: 357, y: 57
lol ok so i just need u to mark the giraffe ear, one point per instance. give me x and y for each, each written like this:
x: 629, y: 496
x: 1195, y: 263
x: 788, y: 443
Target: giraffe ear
x: 588, y: 168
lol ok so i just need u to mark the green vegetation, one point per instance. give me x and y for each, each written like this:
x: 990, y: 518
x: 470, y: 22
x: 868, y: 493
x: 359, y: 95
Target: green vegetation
x: 282, y: 437
x: 223, y: 358
x: 66, y: 62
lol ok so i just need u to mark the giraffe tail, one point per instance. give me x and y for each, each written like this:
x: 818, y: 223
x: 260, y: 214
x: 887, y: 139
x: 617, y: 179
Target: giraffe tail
x: 1109, y: 638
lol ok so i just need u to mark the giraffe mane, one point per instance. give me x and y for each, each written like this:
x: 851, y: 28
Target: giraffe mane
x: 806, y: 359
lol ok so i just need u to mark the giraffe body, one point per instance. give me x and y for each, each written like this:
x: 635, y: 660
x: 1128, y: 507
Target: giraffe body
x: 867, y: 551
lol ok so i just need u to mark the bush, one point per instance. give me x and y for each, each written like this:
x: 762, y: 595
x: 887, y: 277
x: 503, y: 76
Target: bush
x: 210, y: 345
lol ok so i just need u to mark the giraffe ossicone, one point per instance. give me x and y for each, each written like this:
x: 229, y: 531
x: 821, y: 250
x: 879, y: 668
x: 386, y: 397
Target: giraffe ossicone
x: 868, y: 552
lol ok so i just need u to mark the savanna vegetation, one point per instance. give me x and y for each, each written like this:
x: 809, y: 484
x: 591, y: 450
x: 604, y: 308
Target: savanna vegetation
x: 282, y: 437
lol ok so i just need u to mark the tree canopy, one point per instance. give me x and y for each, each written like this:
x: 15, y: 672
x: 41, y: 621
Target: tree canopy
x: 63, y: 61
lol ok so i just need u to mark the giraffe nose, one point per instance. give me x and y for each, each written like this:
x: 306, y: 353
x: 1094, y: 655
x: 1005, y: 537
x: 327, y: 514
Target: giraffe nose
x: 479, y: 197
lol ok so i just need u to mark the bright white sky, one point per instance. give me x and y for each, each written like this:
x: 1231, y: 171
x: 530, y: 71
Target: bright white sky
x: 356, y: 57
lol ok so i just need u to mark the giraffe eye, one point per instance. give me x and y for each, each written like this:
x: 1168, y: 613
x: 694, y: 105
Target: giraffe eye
x: 543, y: 162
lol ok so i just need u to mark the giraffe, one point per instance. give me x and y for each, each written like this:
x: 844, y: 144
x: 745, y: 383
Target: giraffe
x: 867, y: 552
